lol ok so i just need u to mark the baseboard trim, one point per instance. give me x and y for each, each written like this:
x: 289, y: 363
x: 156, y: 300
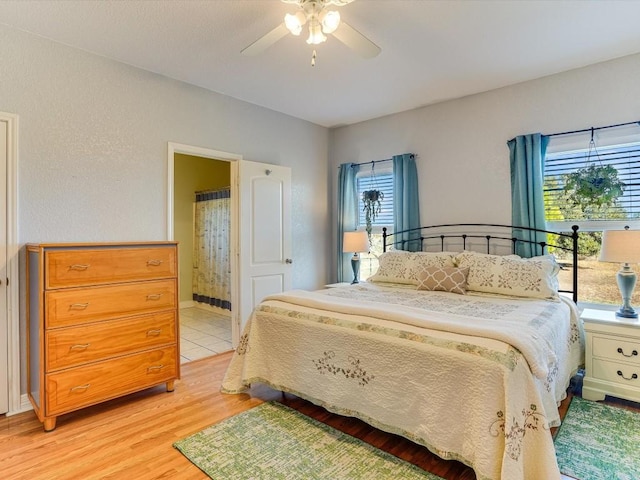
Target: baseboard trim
x: 204, y: 306
x: 25, y: 406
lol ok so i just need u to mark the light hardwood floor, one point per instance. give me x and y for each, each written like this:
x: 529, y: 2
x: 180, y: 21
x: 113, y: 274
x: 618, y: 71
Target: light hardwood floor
x: 131, y: 437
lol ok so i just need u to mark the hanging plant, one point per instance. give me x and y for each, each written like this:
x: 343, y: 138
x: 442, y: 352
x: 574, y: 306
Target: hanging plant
x: 594, y: 185
x: 372, y: 200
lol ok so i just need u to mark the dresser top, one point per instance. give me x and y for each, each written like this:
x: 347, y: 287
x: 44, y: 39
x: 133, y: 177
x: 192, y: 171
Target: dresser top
x: 100, y: 244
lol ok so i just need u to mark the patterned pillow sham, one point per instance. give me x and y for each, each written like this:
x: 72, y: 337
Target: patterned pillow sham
x: 404, y: 267
x: 444, y: 279
x: 535, y: 277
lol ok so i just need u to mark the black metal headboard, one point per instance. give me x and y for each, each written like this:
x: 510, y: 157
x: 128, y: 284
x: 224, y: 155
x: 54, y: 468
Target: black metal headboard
x: 491, y: 235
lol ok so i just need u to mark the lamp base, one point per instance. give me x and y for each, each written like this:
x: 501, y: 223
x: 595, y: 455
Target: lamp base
x: 355, y: 266
x: 626, y: 313
x: 626, y: 279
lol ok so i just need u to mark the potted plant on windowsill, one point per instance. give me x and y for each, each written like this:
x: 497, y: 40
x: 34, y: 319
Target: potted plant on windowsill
x: 372, y: 200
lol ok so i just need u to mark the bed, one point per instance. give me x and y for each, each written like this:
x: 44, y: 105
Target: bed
x: 467, y: 350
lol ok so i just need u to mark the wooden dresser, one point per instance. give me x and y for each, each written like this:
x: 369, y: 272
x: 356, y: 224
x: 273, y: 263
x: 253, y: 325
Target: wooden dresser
x: 102, y: 322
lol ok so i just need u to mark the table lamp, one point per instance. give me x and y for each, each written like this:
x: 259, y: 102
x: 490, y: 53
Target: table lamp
x: 355, y: 242
x: 622, y: 246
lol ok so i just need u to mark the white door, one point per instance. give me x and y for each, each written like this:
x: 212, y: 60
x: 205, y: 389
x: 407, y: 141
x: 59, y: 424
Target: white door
x: 4, y: 326
x: 264, y: 255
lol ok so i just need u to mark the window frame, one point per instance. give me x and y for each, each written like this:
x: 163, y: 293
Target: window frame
x: 607, y: 150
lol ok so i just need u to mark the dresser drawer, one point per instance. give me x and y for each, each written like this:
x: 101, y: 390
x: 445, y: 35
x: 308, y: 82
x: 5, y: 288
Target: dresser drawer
x: 81, y: 386
x: 83, y: 305
x: 69, y: 347
x: 616, y: 372
x: 72, y: 268
x: 616, y: 349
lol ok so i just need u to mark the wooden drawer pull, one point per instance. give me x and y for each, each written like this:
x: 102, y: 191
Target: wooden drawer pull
x: 154, y: 332
x: 154, y: 263
x: 633, y: 353
x: 80, y: 346
x: 154, y: 296
x: 155, y: 368
x: 78, y: 306
x: 81, y: 388
x: 79, y: 266
x: 632, y: 377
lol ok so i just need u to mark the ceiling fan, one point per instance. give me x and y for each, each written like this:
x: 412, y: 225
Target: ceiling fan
x: 321, y: 21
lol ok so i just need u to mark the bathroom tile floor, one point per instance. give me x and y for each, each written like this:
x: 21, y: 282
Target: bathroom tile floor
x: 203, y: 334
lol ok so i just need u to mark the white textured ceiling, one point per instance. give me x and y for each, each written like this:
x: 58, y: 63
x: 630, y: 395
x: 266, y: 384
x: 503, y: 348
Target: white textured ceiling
x: 431, y: 50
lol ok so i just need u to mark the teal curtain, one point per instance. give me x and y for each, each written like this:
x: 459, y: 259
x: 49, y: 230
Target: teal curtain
x: 527, y: 186
x: 406, y: 203
x: 347, y: 214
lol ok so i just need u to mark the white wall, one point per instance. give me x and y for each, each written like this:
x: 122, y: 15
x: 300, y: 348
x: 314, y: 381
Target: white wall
x: 93, y: 148
x: 462, y: 156
x: 93, y: 139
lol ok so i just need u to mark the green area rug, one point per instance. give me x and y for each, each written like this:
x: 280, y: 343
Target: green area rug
x: 272, y: 441
x: 599, y: 442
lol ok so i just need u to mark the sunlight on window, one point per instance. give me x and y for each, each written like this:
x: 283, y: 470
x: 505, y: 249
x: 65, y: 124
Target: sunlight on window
x: 382, y: 180
x: 369, y: 261
x: 596, y: 192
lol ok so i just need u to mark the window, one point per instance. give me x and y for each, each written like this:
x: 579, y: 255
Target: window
x: 563, y: 210
x: 597, y: 189
x: 381, y: 179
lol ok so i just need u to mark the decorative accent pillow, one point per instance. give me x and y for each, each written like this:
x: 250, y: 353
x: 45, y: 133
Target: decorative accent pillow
x: 535, y: 277
x: 404, y: 267
x: 444, y: 279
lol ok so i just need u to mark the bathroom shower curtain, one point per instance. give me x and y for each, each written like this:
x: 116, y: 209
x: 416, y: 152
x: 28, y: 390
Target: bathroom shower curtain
x: 211, y: 252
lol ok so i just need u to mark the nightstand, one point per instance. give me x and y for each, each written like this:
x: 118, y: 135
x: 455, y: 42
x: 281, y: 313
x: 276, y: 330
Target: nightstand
x: 612, y: 358
x: 342, y: 284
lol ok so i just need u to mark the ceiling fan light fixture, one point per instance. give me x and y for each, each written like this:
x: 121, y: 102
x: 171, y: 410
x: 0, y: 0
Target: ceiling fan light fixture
x: 321, y: 21
x: 330, y: 20
x: 315, y: 33
x: 295, y: 22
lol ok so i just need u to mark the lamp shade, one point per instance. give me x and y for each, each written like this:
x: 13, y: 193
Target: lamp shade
x: 316, y: 36
x: 330, y: 20
x: 355, y: 242
x: 620, y: 246
x: 295, y: 22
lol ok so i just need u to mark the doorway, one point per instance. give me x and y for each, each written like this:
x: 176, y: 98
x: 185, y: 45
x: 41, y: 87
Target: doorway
x: 11, y: 401
x: 201, y: 190
x: 261, y: 244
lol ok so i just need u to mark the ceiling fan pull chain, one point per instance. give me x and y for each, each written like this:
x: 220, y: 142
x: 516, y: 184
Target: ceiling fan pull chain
x: 313, y: 58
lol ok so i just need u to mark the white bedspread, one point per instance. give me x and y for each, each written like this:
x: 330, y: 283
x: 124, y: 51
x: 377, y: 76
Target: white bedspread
x: 424, y: 365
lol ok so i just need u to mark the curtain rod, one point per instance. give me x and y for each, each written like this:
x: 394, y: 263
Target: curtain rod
x: 213, y: 190
x: 372, y: 162
x: 592, y: 129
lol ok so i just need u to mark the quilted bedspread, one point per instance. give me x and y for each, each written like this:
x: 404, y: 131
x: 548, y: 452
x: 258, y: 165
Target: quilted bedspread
x: 473, y: 378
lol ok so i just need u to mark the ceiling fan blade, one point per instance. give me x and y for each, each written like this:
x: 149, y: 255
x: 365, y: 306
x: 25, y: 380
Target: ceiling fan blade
x: 356, y: 41
x: 266, y: 41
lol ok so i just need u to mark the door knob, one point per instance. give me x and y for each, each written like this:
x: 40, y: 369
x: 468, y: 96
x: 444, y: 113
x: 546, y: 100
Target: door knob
x: 288, y: 260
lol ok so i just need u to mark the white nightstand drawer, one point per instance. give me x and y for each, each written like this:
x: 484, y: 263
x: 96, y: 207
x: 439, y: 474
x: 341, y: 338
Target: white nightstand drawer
x: 616, y: 349
x: 612, y: 356
x: 616, y: 372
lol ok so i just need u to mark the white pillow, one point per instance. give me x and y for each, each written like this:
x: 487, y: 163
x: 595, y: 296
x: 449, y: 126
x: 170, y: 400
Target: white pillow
x: 535, y: 277
x: 399, y: 266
